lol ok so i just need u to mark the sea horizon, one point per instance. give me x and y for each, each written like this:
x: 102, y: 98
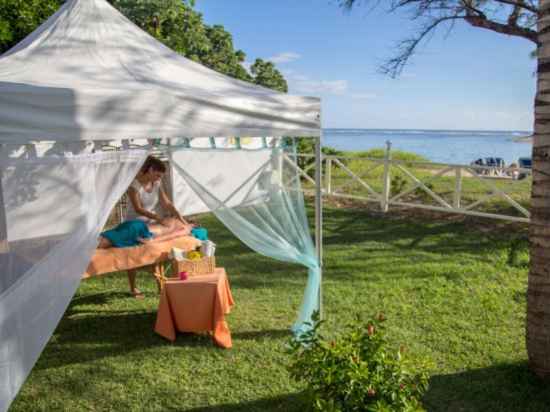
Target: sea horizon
x: 430, y: 130
x: 438, y: 145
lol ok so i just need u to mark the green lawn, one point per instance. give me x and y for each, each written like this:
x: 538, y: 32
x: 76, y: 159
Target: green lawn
x: 445, y: 287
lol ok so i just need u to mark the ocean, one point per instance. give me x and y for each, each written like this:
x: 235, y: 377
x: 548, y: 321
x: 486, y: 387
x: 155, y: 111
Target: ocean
x: 445, y: 146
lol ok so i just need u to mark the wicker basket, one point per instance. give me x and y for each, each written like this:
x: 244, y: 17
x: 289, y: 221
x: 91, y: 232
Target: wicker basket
x: 200, y: 266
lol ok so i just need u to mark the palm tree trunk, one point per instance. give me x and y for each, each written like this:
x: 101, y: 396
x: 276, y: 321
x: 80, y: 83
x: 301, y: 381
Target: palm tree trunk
x: 538, y: 289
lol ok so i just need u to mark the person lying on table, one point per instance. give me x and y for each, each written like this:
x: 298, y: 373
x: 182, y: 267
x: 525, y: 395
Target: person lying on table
x: 136, y: 232
x: 147, y: 196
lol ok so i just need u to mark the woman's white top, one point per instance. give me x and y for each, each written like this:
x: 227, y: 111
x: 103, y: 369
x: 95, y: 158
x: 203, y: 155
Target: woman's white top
x: 149, y: 200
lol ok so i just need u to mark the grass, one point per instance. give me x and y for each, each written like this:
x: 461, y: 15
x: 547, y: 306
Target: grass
x: 446, y: 287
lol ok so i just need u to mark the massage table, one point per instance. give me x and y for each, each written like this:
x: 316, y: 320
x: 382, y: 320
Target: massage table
x: 153, y: 253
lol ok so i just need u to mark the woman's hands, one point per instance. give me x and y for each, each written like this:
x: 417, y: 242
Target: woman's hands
x: 170, y: 208
x: 166, y: 221
x: 136, y: 202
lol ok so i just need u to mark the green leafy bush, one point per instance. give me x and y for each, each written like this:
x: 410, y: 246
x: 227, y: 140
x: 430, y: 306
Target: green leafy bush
x: 356, y: 371
x: 421, y: 194
x: 518, y: 252
x: 397, y: 184
x: 395, y: 155
x: 306, y: 145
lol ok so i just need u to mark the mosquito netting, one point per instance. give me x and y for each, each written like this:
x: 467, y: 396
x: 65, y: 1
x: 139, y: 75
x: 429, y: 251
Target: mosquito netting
x: 56, y: 205
x: 87, y: 77
x: 54, y: 208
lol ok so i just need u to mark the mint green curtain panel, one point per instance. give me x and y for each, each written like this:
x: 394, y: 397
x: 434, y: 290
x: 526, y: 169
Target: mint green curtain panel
x: 256, y: 194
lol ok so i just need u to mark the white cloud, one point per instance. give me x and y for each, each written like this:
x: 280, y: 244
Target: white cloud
x: 284, y: 57
x: 299, y: 83
x: 323, y: 86
x: 246, y: 65
x: 363, y: 96
x: 302, y: 84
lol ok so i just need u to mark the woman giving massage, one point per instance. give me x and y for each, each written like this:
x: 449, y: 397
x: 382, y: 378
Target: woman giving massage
x: 142, y: 221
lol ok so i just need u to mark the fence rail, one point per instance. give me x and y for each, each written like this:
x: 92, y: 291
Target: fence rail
x: 410, y: 184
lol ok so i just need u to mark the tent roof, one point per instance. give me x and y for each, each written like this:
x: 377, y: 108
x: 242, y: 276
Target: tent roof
x: 88, y: 73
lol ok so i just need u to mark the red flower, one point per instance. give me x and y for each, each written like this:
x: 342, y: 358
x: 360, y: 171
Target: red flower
x: 371, y: 393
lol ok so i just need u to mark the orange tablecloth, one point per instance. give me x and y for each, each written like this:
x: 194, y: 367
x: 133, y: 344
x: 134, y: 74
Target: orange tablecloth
x: 197, y: 304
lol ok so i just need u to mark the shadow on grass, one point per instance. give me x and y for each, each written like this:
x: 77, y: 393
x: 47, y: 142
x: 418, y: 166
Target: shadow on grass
x: 508, y: 387
x: 505, y: 387
x: 500, y: 388
x: 353, y: 226
x: 377, y: 239
x: 100, y: 298
x: 290, y: 402
x: 262, y: 334
x: 373, y: 238
x: 89, y: 332
x: 86, y: 337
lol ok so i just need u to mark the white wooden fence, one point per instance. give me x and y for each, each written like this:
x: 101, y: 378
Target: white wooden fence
x: 484, y: 174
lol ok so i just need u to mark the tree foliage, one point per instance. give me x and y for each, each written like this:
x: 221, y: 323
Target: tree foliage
x: 267, y: 75
x: 20, y: 17
x: 173, y: 22
x: 511, y: 17
x: 176, y: 24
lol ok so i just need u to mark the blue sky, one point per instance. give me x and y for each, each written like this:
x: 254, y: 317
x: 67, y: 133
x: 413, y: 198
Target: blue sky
x: 472, y: 79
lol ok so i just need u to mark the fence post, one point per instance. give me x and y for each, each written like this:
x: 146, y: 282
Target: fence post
x: 458, y: 188
x: 328, y: 176
x: 384, y: 202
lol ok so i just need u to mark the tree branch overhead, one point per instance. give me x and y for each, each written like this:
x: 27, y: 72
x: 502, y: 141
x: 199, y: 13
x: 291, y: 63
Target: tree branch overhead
x: 520, y: 21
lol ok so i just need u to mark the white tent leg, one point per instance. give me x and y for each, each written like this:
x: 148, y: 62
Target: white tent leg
x: 171, y: 169
x: 3, y: 221
x: 4, y: 246
x: 319, y: 216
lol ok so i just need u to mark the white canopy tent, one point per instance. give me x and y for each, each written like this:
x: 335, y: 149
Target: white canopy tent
x: 88, y: 76
x: 91, y: 74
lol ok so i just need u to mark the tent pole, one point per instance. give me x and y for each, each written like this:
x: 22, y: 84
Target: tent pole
x: 171, y: 168
x: 4, y: 245
x: 319, y: 215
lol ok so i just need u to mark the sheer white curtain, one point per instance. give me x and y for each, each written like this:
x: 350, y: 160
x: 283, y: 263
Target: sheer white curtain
x: 52, y: 209
x: 257, y: 195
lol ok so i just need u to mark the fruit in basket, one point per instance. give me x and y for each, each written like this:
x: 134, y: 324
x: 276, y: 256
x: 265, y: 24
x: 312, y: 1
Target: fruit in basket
x: 194, y: 255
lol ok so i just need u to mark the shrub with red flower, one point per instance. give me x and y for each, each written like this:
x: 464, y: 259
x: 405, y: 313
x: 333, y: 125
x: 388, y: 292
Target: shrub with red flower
x: 356, y: 371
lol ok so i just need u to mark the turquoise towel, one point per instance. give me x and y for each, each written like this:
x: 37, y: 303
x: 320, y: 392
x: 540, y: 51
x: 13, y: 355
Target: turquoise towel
x: 128, y: 233
x: 200, y: 233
